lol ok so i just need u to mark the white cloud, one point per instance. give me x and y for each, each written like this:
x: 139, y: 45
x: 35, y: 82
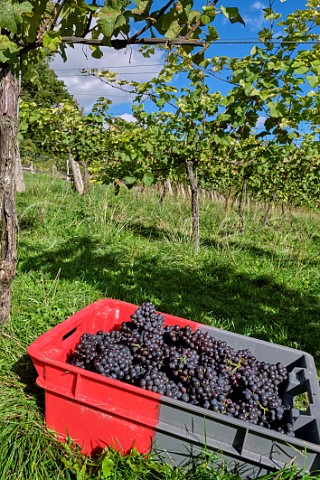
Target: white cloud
x: 258, y: 5
x: 130, y: 64
x: 255, y: 19
x: 260, y: 121
x: 128, y: 117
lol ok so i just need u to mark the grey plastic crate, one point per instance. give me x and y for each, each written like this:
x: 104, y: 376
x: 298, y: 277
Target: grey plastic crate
x: 90, y: 407
x: 184, y: 430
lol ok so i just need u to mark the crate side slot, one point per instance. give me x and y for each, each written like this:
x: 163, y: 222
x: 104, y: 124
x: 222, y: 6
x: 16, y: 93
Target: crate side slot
x: 250, y: 442
x: 195, y: 423
x: 279, y: 451
x: 307, y: 427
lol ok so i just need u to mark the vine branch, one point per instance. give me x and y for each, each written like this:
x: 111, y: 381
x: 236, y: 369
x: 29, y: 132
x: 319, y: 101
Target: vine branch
x: 149, y: 24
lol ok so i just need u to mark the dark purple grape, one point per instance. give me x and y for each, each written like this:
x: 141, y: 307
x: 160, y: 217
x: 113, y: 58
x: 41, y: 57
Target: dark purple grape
x: 191, y: 366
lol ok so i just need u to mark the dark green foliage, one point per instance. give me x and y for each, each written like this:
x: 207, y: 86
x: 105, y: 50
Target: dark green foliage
x: 42, y: 86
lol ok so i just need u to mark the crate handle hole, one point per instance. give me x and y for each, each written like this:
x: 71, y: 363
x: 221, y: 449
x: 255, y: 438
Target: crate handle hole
x: 301, y: 402
x: 67, y: 335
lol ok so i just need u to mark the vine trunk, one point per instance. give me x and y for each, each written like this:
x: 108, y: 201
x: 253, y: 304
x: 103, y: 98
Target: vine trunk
x: 8, y: 154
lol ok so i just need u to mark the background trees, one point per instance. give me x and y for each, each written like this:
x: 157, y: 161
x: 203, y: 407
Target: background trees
x: 41, y: 93
x: 42, y: 86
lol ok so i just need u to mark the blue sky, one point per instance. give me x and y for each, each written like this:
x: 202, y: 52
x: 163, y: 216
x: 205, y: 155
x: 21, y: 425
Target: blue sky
x: 235, y: 40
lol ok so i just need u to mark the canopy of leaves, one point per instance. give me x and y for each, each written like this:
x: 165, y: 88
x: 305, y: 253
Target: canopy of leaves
x: 34, y: 28
x: 41, y: 91
x: 64, y: 130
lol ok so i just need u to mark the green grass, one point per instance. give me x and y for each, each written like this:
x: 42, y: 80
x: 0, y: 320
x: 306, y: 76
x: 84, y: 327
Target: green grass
x: 73, y: 251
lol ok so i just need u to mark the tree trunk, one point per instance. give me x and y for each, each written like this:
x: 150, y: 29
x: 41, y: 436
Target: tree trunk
x: 77, y: 177
x: 20, y: 185
x: 86, y: 177
x: 181, y: 190
x: 167, y: 187
x: 227, y: 200
x: 8, y: 152
x: 194, y: 204
x: 202, y: 194
x: 242, y: 204
x: 269, y: 209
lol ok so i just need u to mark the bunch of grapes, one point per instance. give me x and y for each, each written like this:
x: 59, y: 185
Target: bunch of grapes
x: 188, y: 365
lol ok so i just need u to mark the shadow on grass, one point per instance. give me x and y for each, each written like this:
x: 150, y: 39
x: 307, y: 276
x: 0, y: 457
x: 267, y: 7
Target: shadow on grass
x: 248, y: 304
x: 316, y: 239
x: 25, y: 370
x: 150, y: 232
x: 155, y: 233
x: 254, y: 251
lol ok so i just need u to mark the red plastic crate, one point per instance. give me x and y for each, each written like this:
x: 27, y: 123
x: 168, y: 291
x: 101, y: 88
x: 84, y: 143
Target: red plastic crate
x: 96, y: 411
x: 93, y: 410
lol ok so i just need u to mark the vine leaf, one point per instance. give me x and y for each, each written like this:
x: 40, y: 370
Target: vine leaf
x: 11, y: 14
x: 232, y: 13
x: 107, y: 20
x: 148, y: 179
x: 129, y: 181
x: 52, y: 40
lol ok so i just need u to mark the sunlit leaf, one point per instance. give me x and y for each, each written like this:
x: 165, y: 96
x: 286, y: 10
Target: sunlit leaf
x: 11, y: 14
x: 129, y: 181
x: 232, y: 13
x: 107, y: 467
x: 148, y: 179
x: 51, y: 40
x: 313, y: 80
